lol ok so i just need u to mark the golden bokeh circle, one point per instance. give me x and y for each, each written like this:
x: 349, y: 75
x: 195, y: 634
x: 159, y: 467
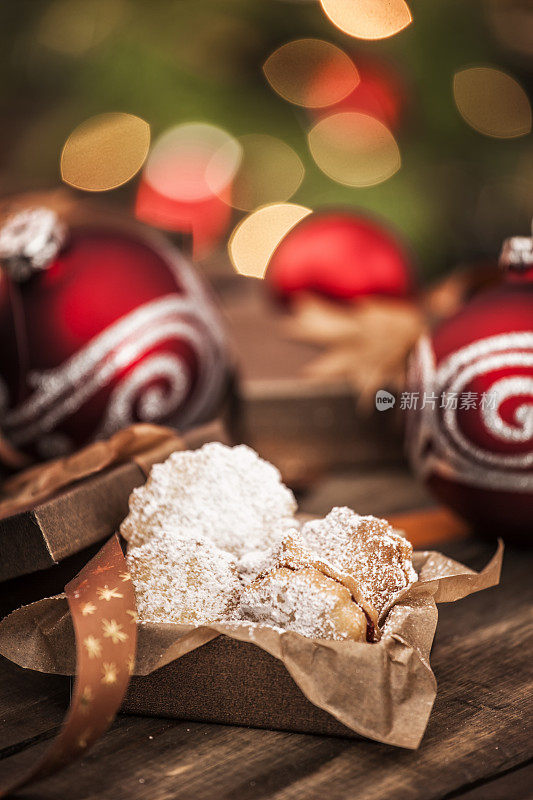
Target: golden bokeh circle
x: 292, y: 69
x: 368, y: 19
x: 73, y: 27
x: 492, y: 102
x: 354, y: 149
x: 105, y: 151
x: 269, y: 171
x: 256, y: 237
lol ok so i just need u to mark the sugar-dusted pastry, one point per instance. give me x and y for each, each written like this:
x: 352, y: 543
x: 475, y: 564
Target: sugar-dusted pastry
x: 305, y: 601
x: 367, y: 550
x: 227, y: 495
x: 294, y: 553
x: 181, y: 580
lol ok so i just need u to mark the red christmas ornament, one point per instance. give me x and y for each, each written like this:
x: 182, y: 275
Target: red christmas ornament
x: 100, y: 328
x: 380, y: 92
x: 343, y: 256
x: 471, y: 436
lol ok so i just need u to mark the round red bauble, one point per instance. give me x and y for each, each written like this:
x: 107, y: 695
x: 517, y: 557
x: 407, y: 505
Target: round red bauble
x: 471, y: 436
x: 341, y: 255
x: 111, y: 327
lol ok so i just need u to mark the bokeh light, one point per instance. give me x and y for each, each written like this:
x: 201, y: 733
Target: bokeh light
x: 311, y: 73
x: 192, y: 162
x: 492, y: 102
x: 186, y: 184
x: 205, y: 220
x: 105, y: 151
x: 354, y: 149
x: 368, y: 19
x: 512, y: 24
x: 72, y: 27
x: 380, y: 93
x: 269, y: 171
x: 255, y: 239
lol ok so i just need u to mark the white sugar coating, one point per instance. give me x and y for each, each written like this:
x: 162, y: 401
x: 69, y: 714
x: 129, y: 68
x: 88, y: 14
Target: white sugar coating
x: 227, y: 495
x: 192, y: 581
x: 255, y: 562
x: 366, y: 548
x: 208, y: 522
x: 304, y: 601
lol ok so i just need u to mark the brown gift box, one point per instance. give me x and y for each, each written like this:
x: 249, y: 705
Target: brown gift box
x: 60, y: 508
x: 245, y: 674
x: 231, y: 683
x: 304, y: 425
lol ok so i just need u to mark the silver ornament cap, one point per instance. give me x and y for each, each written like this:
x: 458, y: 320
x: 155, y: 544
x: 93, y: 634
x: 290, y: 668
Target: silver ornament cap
x: 517, y: 253
x: 30, y: 240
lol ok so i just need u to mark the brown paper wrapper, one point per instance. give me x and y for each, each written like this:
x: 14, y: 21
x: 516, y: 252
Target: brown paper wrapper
x: 383, y: 691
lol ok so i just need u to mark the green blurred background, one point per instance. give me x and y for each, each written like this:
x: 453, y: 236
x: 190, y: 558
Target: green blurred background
x: 457, y: 194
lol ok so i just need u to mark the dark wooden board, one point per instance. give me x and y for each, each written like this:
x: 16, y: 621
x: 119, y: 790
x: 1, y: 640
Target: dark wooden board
x: 478, y: 744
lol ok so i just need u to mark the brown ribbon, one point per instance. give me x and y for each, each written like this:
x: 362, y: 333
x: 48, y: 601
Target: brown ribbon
x: 102, y: 605
x: 144, y: 444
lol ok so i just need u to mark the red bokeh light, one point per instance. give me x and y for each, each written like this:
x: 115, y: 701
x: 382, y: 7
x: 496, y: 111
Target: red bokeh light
x: 380, y: 92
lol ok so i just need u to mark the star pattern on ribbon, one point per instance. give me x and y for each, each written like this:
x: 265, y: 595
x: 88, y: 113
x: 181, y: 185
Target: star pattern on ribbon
x: 105, y: 655
x: 93, y: 646
x: 107, y: 594
x: 113, y: 630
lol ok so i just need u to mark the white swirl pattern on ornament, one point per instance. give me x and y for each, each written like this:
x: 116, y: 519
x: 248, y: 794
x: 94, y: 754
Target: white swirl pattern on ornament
x: 444, y: 449
x: 50, y: 385
x: 519, y: 340
x: 503, y: 390
x: 520, y: 386
x: 154, y: 403
x: 62, y: 391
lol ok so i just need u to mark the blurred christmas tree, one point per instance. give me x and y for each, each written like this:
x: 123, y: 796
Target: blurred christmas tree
x: 458, y: 192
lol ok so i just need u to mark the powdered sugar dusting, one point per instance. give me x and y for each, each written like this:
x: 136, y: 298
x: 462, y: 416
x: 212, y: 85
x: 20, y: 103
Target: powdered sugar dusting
x: 305, y: 601
x: 366, y: 548
x: 226, y: 495
x: 189, y: 581
x: 212, y: 536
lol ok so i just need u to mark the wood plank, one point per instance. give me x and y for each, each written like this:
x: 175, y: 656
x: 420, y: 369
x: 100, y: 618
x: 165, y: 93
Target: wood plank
x: 481, y: 726
x: 31, y: 705
x: 517, y: 784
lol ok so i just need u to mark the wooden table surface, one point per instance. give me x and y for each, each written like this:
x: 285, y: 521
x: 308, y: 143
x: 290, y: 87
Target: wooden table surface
x: 478, y: 745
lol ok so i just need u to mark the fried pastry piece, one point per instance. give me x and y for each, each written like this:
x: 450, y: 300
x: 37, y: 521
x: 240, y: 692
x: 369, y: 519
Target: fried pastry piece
x: 182, y: 580
x: 293, y: 553
x: 303, y: 600
x: 365, y: 553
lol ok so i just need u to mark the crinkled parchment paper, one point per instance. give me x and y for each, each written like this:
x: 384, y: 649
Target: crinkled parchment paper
x: 384, y: 691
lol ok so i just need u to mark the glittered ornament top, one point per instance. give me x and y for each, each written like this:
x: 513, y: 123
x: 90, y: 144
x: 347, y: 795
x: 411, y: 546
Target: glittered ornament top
x: 112, y: 328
